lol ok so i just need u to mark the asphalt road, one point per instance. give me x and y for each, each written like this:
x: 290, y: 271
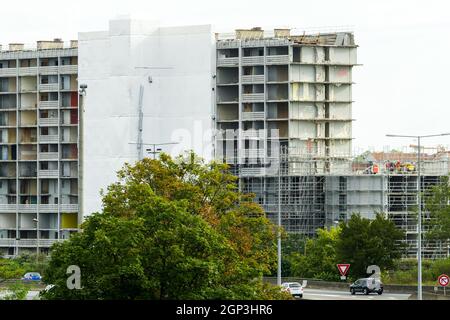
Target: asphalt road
x: 309, y: 294
x: 328, y: 294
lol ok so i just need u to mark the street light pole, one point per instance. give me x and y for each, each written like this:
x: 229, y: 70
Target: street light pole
x: 419, y: 224
x: 155, y: 150
x: 419, y: 207
x: 279, y: 225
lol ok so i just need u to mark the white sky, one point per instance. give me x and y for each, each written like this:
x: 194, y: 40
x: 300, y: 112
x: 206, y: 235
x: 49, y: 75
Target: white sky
x: 402, y: 86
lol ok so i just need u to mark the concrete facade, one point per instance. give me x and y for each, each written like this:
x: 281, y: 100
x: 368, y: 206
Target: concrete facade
x: 39, y: 146
x: 172, y: 66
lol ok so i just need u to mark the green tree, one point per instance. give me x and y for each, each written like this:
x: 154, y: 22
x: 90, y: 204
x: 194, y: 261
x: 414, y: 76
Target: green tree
x: 170, y: 229
x: 319, y: 259
x: 291, y: 243
x: 364, y: 242
x: 437, y: 203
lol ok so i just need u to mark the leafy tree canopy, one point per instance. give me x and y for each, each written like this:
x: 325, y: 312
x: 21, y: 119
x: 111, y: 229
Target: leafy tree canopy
x: 437, y: 203
x: 170, y: 229
x: 365, y: 242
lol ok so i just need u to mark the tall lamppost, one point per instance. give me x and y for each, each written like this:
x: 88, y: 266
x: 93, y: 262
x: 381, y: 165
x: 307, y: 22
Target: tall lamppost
x: 36, y: 220
x: 419, y: 206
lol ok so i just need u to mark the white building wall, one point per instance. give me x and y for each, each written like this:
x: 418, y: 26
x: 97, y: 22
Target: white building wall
x: 177, y: 104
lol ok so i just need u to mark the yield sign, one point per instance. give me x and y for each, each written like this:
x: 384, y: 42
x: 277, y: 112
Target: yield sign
x: 443, y: 280
x: 343, y: 268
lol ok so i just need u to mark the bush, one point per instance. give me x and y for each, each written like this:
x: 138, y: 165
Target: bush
x: 17, y: 291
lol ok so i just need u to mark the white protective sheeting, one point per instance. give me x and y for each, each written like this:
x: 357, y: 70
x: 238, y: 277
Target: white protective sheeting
x: 175, y: 68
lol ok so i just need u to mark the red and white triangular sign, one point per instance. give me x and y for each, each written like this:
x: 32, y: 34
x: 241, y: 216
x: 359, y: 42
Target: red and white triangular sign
x: 343, y: 268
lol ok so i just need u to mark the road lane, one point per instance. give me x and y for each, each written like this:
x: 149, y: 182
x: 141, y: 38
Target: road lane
x: 327, y: 294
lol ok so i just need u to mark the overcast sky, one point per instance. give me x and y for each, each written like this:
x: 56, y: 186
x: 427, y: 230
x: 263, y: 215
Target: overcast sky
x: 402, y: 86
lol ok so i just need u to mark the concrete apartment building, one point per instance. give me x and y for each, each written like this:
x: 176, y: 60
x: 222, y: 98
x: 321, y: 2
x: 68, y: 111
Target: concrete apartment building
x: 276, y: 105
x: 39, y: 143
x: 284, y: 101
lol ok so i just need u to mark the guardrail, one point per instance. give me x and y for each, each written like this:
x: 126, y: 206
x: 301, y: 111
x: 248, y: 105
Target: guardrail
x: 48, y: 104
x: 252, y: 60
x: 253, y: 115
x: 222, y: 62
x: 250, y: 97
x: 28, y: 71
x: 259, y: 78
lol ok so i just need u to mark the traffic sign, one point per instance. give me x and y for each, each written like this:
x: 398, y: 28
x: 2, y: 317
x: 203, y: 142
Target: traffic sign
x: 343, y: 268
x: 443, y: 280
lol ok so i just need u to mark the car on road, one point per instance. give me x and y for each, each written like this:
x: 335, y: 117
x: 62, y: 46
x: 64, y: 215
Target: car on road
x: 366, y: 286
x: 294, y: 288
x: 32, y: 276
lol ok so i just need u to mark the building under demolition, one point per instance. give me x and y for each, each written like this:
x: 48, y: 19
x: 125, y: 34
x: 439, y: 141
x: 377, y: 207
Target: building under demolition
x: 284, y: 120
x: 276, y: 105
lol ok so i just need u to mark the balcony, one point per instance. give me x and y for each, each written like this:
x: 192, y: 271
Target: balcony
x: 48, y: 174
x: 48, y: 138
x: 48, y: 104
x: 226, y: 62
x: 49, y: 87
x: 259, y: 78
x: 7, y: 207
x: 256, y: 60
x: 48, y: 70
x: 69, y: 207
x: 252, y: 133
x: 48, y: 121
x: 252, y: 97
x: 254, y: 153
x: 252, y: 171
x: 253, y: 115
x: 28, y: 242
x: 28, y: 71
x: 48, y: 155
x: 8, y: 72
x: 27, y: 207
x: 49, y: 207
x: 69, y: 69
x: 282, y: 59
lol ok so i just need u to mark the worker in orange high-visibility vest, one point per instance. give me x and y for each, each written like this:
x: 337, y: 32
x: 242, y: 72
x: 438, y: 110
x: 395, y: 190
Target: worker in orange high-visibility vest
x: 375, y: 169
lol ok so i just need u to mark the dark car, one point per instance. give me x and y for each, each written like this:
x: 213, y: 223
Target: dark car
x: 366, y: 286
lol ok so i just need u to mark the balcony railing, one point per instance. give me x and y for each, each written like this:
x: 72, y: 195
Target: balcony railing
x: 28, y: 242
x: 48, y: 104
x: 69, y: 207
x: 282, y: 59
x: 253, y: 78
x: 48, y: 155
x: 252, y: 60
x: 48, y: 70
x: 5, y: 72
x: 28, y: 71
x: 49, y: 138
x: 7, y: 207
x: 48, y: 121
x: 252, y: 133
x: 252, y: 171
x: 48, y: 173
x: 49, y: 87
x: 69, y: 69
x: 250, y: 97
x: 252, y: 115
x: 27, y: 207
x: 254, y: 153
x: 49, y: 207
x: 234, y: 61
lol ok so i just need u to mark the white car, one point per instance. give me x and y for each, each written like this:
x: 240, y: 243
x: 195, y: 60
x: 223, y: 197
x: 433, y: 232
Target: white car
x: 294, y: 288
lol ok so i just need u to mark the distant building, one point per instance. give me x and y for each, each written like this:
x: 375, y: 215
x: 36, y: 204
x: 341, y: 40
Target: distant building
x: 39, y: 145
x: 276, y: 105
